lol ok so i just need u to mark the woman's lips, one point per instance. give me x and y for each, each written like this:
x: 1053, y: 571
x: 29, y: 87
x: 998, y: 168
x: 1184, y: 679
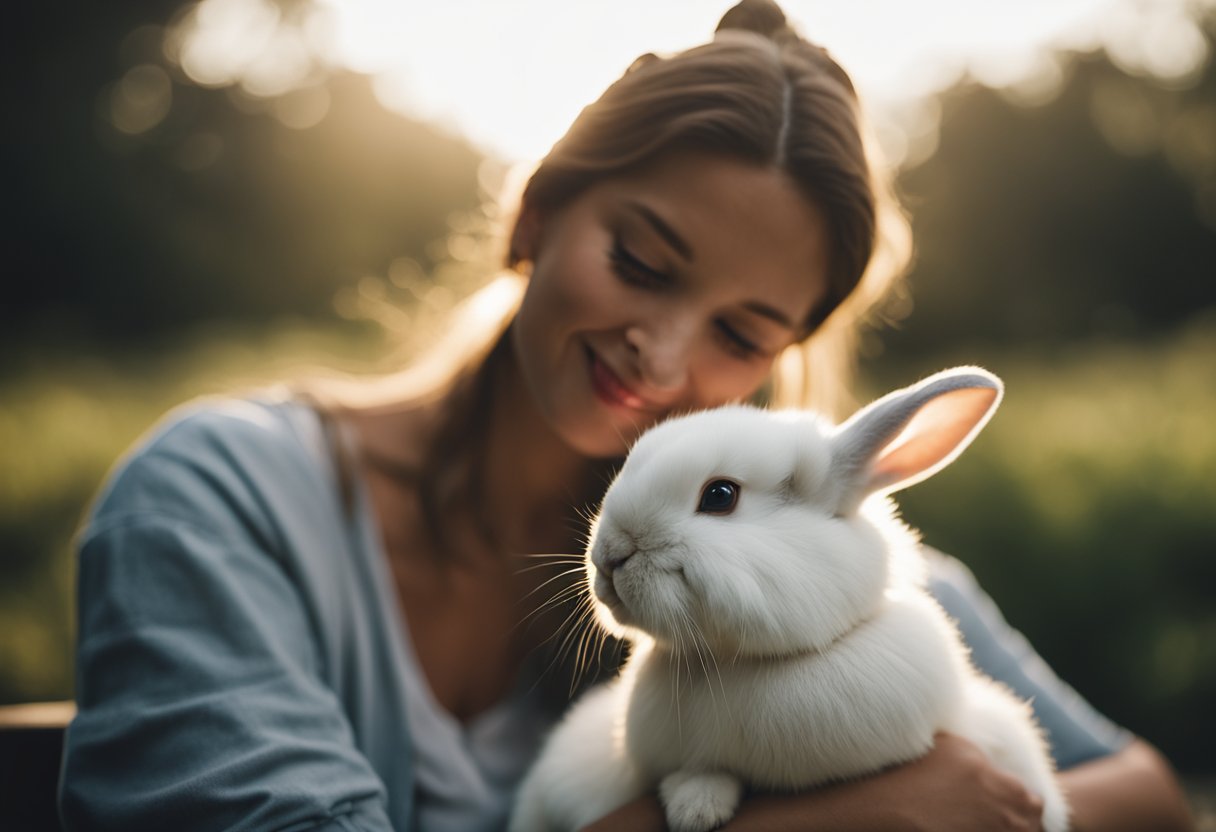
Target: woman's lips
x: 610, y: 389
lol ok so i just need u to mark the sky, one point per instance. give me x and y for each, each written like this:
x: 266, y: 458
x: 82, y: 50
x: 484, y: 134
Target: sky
x: 512, y: 76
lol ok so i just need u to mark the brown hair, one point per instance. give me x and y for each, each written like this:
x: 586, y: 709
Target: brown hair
x: 761, y: 93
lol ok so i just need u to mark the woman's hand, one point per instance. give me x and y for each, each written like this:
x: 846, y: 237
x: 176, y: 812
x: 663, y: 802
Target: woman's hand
x: 953, y: 788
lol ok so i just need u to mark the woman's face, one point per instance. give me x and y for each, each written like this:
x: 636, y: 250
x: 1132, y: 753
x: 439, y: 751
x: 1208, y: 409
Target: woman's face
x: 667, y: 290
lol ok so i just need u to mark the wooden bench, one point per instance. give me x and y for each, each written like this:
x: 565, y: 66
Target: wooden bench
x: 31, y: 745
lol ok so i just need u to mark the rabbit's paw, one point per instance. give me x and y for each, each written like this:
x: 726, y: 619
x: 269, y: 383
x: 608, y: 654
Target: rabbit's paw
x: 699, y: 801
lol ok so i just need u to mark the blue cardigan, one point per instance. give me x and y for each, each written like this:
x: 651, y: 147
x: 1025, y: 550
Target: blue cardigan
x: 242, y: 663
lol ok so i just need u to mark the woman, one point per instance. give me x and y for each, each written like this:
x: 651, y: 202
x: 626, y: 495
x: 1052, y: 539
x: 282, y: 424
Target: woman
x: 297, y: 615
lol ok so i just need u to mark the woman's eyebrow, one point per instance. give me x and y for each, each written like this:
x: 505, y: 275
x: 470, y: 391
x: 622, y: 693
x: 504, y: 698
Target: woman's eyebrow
x: 663, y: 229
x: 769, y: 312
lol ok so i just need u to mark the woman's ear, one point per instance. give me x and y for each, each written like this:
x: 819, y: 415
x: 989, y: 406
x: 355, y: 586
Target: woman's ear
x: 525, y: 238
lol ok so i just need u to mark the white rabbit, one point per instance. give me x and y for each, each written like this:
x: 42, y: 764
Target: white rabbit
x: 782, y: 637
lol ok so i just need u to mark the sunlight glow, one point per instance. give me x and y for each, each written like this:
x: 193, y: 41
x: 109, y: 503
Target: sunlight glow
x: 512, y: 76
x: 220, y: 39
x: 1165, y: 43
x: 141, y: 99
x: 222, y: 42
x: 302, y: 108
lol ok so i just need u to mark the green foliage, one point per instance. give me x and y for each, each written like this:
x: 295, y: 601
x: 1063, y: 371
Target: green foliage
x: 1047, y: 224
x: 217, y: 213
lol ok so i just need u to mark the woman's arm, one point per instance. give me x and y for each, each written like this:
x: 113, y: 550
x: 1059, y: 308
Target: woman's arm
x: 953, y: 788
x: 199, y: 703
x: 202, y: 700
x: 1132, y: 789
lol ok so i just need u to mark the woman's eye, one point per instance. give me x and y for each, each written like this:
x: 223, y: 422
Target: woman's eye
x: 736, y: 343
x: 718, y: 497
x: 633, y: 270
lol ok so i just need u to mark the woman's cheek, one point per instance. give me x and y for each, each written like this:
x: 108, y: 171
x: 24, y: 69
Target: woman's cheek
x: 728, y: 380
x: 591, y: 292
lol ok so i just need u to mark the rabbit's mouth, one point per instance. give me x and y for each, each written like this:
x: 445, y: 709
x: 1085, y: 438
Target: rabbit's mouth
x: 605, y: 591
x: 613, y: 604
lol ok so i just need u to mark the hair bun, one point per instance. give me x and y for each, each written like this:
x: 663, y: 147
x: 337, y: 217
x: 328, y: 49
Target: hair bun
x: 764, y: 17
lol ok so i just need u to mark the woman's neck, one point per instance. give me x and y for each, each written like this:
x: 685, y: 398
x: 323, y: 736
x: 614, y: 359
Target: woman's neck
x: 519, y: 483
x: 533, y: 481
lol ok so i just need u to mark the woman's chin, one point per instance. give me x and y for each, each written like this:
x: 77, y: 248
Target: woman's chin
x: 598, y: 437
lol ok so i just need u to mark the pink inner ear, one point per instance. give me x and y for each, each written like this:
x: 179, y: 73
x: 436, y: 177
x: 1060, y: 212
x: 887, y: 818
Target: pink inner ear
x: 933, y: 437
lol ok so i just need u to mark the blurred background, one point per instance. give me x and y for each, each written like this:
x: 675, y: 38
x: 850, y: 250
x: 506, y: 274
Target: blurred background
x: 207, y: 196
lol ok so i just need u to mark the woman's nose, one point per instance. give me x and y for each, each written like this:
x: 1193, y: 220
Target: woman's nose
x: 664, y: 351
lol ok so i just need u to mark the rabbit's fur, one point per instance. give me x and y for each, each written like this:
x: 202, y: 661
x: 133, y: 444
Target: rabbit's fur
x: 788, y: 641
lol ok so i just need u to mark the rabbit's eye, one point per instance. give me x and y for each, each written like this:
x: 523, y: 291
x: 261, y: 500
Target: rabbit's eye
x: 719, y: 497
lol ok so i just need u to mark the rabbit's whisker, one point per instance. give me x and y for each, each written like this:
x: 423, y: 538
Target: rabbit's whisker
x: 594, y: 638
x: 713, y: 657
x: 565, y: 629
x: 555, y: 602
x: 563, y: 574
x: 697, y: 642
x: 582, y: 658
x: 570, y: 628
x: 550, y: 561
x: 680, y: 656
x: 559, y: 597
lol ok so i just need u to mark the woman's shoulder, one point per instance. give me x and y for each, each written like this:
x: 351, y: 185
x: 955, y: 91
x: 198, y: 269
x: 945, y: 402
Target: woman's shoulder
x: 219, y: 457
x: 269, y: 423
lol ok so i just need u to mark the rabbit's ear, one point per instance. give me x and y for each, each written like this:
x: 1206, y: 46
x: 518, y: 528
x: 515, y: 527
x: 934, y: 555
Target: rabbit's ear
x: 908, y: 435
